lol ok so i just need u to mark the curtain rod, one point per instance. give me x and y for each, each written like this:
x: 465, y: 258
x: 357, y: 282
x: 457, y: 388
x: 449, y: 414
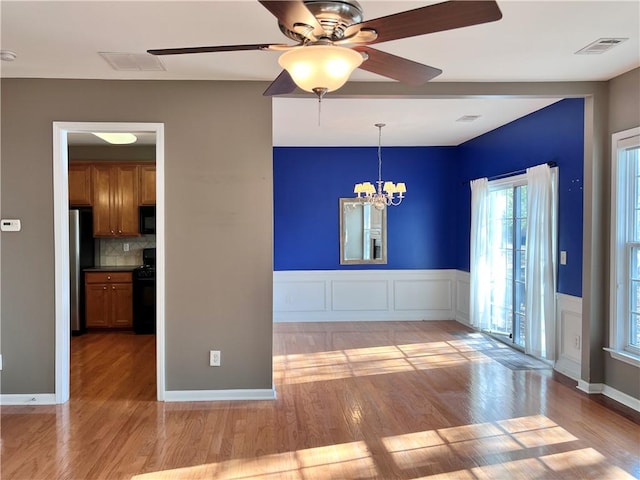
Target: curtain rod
x: 515, y: 172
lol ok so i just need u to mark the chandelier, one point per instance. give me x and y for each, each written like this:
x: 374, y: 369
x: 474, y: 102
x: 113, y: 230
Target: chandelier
x: 385, y: 194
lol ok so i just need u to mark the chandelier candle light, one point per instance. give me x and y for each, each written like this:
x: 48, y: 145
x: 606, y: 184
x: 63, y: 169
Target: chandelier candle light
x: 385, y: 194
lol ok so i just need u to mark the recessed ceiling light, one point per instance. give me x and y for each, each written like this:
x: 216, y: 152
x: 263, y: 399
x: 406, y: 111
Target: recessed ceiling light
x: 116, y: 138
x: 600, y: 46
x: 468, y: 118
x: 7, y: 55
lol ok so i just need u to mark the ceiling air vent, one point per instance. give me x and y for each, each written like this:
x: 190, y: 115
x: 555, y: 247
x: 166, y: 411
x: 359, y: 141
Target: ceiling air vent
x: 468, y: 118
x: 141, y: 62
x: 600, y: 46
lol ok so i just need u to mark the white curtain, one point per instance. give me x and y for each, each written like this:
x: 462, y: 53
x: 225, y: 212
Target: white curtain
x: 479, y: 303
x: 541, y: 257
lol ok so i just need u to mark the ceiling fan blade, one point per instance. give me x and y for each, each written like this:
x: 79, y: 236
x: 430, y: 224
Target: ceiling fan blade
x: 398, y: 68
x: 281, y: 85
x: 430, y: 19
x: 292, y: 14
x: 220, y: 48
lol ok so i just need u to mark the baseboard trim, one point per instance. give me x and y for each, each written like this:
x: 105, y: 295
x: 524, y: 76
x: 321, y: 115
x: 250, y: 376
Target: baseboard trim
x: 610, y: 392
x: 28, y: 399
x: 219, y: 395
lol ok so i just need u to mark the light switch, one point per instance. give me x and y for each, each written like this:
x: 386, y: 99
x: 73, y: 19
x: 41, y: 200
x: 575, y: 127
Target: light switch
x: 563, y: 257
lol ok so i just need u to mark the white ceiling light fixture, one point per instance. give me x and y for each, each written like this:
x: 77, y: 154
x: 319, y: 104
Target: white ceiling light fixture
x: 385, y: 194
x: 320, y: 68
x: 7, y: 55
x: 117, y: 138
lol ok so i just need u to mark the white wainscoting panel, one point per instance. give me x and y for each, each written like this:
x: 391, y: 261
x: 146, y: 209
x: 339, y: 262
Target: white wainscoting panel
x: 411, y: 295
x: 569, y: 336
x: 303, y: 296
x: 363, y: 295
x: 463, y: 291
x: 354, y: 294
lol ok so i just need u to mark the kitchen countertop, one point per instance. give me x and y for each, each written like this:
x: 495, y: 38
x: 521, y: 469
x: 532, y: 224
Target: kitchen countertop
x: 111, y: 268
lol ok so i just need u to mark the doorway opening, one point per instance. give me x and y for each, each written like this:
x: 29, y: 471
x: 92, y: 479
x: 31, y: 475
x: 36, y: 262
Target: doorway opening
x: 61, y: 134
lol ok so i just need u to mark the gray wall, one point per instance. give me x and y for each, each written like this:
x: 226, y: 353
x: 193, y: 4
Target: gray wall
x: 218, y: 191
x: 218, y: 144
x: 624, y: 113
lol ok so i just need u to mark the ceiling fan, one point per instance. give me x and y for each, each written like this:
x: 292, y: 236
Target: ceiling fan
x: 332, y: 41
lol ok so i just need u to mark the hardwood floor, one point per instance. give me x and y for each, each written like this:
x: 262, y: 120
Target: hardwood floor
x: 384, y: 400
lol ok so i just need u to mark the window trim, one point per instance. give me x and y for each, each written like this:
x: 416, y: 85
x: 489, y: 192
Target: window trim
x: 618, y: 251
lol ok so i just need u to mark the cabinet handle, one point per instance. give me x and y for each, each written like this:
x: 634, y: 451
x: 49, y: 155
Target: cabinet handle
x: 112, y: 232
x: 119, y: 231
x: 113, y: 288
x: 104, y: 288
x: 108, y: 277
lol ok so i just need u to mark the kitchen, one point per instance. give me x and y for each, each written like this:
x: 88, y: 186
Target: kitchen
x: 112, y: 234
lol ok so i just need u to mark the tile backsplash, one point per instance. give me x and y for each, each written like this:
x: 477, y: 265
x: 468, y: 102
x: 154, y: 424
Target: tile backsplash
x: 112, y: 250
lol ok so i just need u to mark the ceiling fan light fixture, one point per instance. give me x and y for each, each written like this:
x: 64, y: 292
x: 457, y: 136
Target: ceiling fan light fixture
x: 315, y: 67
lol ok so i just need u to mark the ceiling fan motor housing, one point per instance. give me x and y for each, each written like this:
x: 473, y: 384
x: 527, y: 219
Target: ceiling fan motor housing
x: 334, y: 16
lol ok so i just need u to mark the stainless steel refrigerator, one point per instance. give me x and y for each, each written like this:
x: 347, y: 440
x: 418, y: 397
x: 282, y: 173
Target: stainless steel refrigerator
x: 81, y: 256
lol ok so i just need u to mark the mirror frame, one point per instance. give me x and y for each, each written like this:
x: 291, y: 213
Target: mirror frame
x: 378, y: 261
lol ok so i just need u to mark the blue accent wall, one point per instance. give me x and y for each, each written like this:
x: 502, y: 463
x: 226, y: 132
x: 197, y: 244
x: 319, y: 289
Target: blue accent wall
x: 555, y: 133
x: 430, y: 230
x: 309, y: 181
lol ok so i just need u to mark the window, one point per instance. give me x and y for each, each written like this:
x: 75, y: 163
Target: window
x: 508, y: 236
x: 513, y: 251
x: 625, y: 247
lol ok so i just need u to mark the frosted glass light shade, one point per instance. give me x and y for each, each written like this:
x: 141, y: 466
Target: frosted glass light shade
x: 320, y: 66
x: 116, y: 138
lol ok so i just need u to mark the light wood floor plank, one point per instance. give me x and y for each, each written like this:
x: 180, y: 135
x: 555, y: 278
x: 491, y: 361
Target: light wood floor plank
x: 379, y: 400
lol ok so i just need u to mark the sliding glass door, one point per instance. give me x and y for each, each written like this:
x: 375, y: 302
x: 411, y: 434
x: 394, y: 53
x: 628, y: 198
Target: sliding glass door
x: 508, y: 238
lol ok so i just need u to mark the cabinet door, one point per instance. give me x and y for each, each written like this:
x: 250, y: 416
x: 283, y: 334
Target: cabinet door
x: 80, y: 185
x: 121, y: 305
x: 147, y: 185
x: 97, y: 305
x: 103, y: 204
x: 126, y: 195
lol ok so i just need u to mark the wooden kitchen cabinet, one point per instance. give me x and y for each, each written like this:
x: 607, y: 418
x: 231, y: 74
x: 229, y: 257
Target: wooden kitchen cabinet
x: 147, y: 185
x: 80, y: 186
x: 108, y: 300
x: 115, y: 201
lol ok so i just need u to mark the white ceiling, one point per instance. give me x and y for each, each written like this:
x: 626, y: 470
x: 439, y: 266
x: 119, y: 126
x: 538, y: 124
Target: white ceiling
x: 534, y: 41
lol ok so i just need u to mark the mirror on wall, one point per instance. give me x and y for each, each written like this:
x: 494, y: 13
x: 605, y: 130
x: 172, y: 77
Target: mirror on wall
x: 363, y: 233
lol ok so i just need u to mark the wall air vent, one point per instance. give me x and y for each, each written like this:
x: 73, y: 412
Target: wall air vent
x: 132, y: 62
x: 468, y: 118
x: 600, y: 46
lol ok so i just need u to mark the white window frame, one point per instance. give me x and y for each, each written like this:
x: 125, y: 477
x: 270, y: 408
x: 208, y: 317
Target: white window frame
x: 619, y: 315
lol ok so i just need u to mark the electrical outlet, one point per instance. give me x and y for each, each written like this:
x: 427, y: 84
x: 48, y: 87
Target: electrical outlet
x: 125, y: 247
x: 577, y: 342
x: 0, y: 362
x: 563, y: 257
x: 214, y: 358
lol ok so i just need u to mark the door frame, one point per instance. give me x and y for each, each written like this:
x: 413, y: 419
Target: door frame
x: 61, y: 246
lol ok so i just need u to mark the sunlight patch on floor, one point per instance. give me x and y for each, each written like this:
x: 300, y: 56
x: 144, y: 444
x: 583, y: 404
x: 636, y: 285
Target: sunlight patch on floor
x: 349, y: 460
x: 434, y: 450
x: 357, y: 362
x: 582, y: 463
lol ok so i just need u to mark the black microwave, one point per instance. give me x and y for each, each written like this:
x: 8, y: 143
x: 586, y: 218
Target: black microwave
x: 148, y: 220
